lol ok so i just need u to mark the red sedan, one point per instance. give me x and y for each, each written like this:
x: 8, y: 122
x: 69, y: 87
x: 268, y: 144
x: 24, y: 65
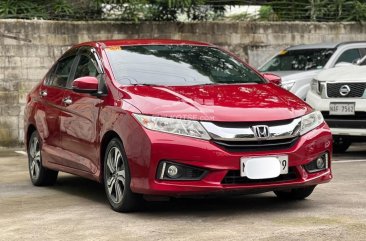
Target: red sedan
x: 172, y: 118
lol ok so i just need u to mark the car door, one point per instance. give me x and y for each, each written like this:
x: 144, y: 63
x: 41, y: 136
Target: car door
x: 79, y: 119
x: 48, y: 111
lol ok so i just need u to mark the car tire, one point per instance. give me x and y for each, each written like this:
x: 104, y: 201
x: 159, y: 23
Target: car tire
x: 117, y: 179
x: 340, y: 144
x: 39, y: 175
x: 295, y: 194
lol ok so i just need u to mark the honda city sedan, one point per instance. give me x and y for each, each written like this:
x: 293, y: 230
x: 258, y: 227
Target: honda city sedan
x: 170, y: 118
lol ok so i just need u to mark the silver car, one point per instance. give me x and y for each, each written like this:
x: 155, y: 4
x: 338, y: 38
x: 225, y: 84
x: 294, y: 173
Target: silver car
x: 298, y: 65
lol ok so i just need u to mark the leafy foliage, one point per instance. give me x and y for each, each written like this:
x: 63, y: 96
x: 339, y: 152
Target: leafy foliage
x: 195, y: 10
x: 21, y: 9
x: 320, y: 10
x: 130, y: 10
x: 242, y: 17
x: 266, y: 13
x: 63, y: 7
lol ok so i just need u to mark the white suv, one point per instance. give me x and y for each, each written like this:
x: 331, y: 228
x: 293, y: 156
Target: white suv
x: 340, y: 94
x: 298, y: 65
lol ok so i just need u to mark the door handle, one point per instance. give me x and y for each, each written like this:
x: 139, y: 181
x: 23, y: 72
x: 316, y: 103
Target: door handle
x: 67, y: 101
x: 43, y: 93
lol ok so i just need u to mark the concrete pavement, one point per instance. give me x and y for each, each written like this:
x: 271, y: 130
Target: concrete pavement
x: 77, y: 209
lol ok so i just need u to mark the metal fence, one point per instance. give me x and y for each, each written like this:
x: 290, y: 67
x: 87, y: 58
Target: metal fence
x: 186, y: 10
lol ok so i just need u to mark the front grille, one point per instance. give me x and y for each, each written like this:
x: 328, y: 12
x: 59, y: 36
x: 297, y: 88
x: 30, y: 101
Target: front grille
x: 356, y: 90
x: 253, y: 123
x: 233, y: 177
x: 242, y: 146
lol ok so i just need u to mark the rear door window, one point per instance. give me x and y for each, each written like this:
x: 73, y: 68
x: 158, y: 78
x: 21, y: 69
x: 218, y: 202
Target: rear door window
x: 62, y: 71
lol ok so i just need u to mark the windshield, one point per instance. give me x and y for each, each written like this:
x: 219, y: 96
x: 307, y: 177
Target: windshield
x: 299, y: 60
x: 177, y: 65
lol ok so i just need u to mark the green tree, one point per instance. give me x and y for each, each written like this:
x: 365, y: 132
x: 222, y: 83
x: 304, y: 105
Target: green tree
x: 358, y: 12
x: 21, y: 9
x: 319, y: 10
x: 316, y: 9
x: 290, y: 10
x: 266, y: 13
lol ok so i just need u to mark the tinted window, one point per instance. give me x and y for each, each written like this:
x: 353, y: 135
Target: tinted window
x: 349, y: 56
x: 86, y: 67
x: 62, y: 71
x: 174, y: 65
x: 50, y: 74
x: 299, y: 60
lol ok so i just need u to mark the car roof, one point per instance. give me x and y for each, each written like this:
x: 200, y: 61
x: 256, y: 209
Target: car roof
x: 129, y: 42
x: 322, y: 45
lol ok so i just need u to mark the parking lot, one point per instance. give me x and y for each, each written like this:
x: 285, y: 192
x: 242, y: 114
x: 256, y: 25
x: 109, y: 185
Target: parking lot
x: 76, y: 209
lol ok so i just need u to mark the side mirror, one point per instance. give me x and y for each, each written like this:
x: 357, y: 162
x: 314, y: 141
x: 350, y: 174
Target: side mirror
x: 357, y: 61
x: 272, y: 78
x: 87, y: 84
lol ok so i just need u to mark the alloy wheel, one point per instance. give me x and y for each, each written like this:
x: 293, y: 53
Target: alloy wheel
x: 115, y: 175
x: 35, y: 158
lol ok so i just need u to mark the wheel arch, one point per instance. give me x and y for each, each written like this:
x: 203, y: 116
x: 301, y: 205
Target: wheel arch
x: 107, y: 137
x: 31, y: 128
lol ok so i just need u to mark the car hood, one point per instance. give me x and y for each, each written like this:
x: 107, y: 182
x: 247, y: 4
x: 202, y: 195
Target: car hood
x: 289, y: 76
x: 352, y: 73
x: 229, y: 103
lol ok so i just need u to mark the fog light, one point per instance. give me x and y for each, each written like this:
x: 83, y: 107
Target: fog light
x: 320, y: 162
x: 169, y: 170
x: 172, y: 171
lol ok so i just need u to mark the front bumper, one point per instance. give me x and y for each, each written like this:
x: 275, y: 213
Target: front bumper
x: 218, y: 162
x: 341, y: 125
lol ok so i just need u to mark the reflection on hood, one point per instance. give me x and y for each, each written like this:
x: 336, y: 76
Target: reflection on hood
x: 249, y: 102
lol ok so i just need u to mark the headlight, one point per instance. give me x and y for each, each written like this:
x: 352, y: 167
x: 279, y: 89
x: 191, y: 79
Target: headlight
x: 288, y: 85
x: 173, y: 126
x: 311, y: 121
x: 316, y: 86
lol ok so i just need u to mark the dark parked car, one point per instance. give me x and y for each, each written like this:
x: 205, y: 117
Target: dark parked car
x: 172, y: 118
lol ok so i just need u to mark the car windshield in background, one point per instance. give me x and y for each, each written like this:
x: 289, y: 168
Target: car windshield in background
x: 299, y: 60
x: 177, y: 65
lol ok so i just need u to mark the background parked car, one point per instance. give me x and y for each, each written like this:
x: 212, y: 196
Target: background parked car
x: 340, y: 94
x: 298, y: 65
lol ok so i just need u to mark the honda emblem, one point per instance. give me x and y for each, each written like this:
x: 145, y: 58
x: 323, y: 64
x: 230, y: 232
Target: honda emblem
x: 261, y: 131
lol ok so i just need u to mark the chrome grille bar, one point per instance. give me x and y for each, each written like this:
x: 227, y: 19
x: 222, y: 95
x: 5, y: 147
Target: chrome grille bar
x: 246, y: 133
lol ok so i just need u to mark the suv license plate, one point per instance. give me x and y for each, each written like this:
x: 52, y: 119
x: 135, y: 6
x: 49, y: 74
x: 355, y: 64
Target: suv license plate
x: 342, y: 109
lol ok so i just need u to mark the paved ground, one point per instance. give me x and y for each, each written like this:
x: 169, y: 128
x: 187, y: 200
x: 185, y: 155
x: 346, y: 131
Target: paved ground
x: 76, y: 209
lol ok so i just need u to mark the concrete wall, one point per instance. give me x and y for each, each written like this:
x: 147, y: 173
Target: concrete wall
x: 28, y: 49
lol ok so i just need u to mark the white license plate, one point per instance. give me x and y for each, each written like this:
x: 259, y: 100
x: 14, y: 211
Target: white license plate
x: 342, y: 109
x: 263, y: 167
